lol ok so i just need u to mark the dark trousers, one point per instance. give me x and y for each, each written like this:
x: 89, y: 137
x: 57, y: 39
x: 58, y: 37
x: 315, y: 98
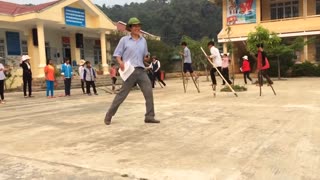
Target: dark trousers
x: 140, y: 77
x: 114, y: 80
x: 157, y: 76
x: 2, y: 89
x: 67, y: 86
x: 82, y: 86
x: 264, y: 73
x: 91, y: 83
x: 27, y: 81
x: 225, y: 74
x: 213, y: 76
x: 245, y: 76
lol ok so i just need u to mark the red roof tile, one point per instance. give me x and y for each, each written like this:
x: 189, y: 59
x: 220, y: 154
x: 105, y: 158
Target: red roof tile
x: 15, y: 9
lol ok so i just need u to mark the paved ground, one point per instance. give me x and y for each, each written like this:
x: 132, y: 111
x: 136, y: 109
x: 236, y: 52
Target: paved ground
x: 199, y: 138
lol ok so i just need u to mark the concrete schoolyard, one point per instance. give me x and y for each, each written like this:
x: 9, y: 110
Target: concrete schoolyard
x: 199, y: 137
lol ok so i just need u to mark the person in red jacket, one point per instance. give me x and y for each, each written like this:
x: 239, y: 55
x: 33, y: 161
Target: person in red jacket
x: 245, y: 68
x: 263, y: 65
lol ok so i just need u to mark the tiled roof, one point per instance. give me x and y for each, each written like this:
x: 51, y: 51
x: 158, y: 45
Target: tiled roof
x: 16, y: 9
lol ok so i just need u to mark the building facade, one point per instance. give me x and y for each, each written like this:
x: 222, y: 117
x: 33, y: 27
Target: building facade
x: 288, y: 18
x: 73, y: 29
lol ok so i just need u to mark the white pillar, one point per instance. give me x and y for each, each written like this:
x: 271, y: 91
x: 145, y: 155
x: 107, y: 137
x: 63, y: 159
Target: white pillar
x: 104, y: 52
x: 305, y: 50
x: 41, y: 49
x: 305, y: 9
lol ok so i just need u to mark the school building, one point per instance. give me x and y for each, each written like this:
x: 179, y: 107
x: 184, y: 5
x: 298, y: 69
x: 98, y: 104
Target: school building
x: 73, y: 29
x: 288, y: 18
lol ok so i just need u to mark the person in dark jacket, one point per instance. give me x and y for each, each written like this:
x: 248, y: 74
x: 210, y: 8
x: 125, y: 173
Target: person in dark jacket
x: 89, y: 75
x: 26, y: 75
x: 155, y: 69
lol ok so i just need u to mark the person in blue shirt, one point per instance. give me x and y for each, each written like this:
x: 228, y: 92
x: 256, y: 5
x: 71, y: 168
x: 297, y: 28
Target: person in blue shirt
x: 187, y: 67
x: 66, y: 72
x: 132, y: 49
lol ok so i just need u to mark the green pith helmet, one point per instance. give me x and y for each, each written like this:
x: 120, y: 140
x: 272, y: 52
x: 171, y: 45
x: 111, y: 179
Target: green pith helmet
x: 132, y: 21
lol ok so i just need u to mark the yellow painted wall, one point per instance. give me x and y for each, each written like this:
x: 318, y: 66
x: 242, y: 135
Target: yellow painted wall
x: 95, y: 18
x: 53, y: 20
x: 278, y: 26
x: 92, y: 21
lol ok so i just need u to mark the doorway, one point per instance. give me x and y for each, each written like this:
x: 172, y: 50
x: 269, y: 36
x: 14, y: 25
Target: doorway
x: 66, y: 53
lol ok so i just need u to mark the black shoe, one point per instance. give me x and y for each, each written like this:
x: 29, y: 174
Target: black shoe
x: 107, y: 119
x: 151, y: 121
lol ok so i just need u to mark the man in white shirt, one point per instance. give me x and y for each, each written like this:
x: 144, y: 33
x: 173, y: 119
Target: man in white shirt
x: 217, y: 61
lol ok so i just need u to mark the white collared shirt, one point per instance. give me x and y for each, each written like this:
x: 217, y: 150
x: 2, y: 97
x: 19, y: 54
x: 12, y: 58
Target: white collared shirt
x: 215, y: 55
x: 2, y: 76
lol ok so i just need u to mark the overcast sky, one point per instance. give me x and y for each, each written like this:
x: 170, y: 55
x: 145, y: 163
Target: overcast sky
x: 100, y: 2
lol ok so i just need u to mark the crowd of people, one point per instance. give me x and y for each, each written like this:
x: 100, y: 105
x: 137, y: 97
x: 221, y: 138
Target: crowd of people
x: 132, y: 52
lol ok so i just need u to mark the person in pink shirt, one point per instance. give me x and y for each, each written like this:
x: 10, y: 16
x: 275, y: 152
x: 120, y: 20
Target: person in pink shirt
x: 225, y: 69
x: 245, y: 69
x: 113, y: 76
x: 49, y: 71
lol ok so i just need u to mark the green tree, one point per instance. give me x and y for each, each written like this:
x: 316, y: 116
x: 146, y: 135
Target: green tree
x: 163, y: 51
x: 270, y: 40
x: 275, y: 47
x: 262, y: 35
x: 172, y: 20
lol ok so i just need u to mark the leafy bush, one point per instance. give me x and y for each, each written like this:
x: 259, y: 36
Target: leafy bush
x: 305, y: 69
x: 285, y: 64
x: 236, y: 88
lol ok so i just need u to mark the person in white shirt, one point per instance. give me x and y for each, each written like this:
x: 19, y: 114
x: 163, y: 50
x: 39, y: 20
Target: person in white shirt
x: 2, y: 79
x: 216, y: 59
x: 81, y: 71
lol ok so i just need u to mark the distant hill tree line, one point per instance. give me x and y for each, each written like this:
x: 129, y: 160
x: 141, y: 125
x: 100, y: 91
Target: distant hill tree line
x: 171, y: 20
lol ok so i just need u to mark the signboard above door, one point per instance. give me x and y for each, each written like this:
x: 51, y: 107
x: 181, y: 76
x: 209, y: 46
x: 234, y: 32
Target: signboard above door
x: 75, y: 16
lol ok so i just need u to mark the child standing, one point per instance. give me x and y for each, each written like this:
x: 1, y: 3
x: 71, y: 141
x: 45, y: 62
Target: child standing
x: 81, y: 71
x: 225, y: 68
x: 155, y: 67
x: 113, y: 76
x: 245, y: 68
x: 49, y: 72
x: 89, y: 75
x: 2, y: 79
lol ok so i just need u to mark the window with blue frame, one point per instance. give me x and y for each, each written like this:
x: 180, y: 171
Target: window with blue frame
x: 13, y: 43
